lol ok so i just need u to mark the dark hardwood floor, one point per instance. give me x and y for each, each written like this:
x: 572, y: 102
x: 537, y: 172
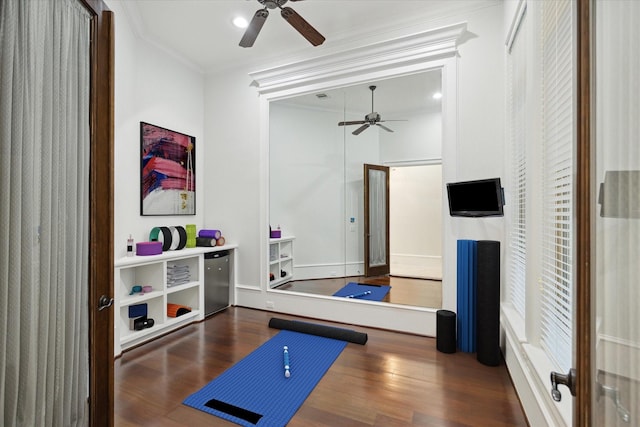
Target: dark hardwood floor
x: 404, y: 290
x: 394, y: 380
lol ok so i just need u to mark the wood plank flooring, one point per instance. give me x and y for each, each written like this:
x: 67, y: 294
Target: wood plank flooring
x: 394, y: 380
x: 404, y: 290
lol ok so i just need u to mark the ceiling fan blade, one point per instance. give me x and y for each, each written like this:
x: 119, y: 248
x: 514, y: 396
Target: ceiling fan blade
x: 360, y: 129
x: 302, y: 26
x: 384, y: 127
x: 357, y: 122
x: 254, y: 28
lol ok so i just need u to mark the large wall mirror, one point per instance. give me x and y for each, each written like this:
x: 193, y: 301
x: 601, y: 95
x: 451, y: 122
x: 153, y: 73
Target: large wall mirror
x: 317, y: 189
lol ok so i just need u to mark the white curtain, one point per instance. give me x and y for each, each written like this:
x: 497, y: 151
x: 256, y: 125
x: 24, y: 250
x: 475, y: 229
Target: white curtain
x: 44, y: 165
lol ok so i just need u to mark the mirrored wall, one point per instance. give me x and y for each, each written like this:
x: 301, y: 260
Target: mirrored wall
x: 317, y: 185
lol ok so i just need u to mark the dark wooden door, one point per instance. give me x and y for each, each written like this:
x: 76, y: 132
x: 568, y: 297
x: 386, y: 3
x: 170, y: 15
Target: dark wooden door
x: 101, y: 371
x: 376, y: 220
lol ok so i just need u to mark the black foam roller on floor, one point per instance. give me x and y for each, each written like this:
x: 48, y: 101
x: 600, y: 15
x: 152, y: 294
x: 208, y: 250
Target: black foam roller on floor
x: 446, y: 331
x: 319, y: 330
x: 488, y: 303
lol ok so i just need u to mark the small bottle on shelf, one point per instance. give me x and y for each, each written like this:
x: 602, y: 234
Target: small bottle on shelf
x: 130, y: 246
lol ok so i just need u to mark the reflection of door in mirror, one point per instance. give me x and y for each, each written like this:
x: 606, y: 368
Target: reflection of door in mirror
x: 376, y: 220
x: 616, y: 205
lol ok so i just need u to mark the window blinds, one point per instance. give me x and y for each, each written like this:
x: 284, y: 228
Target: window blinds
x: 517, y: 69
x: 558, y: 114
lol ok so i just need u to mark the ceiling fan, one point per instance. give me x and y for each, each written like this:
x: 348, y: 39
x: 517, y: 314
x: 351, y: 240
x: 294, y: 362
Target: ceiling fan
x: 290, y: 15
x: 370, y: 119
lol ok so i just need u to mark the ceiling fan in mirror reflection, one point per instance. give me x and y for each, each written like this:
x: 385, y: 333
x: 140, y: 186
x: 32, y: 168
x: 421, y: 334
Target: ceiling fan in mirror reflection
x: 371, y: 119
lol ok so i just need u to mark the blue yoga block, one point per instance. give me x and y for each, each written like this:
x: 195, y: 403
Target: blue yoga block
x: 137, y: 310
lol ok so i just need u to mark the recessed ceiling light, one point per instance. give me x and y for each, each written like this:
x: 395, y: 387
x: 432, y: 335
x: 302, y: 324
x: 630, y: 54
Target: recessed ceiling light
x: 240, y: 22
x: 437, y: 95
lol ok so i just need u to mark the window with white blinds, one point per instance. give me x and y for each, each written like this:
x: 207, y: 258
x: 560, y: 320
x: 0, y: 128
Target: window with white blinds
x: 517, y: 69
x: 557, y: 179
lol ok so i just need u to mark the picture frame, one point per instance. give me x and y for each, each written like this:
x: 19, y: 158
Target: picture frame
x: 167, y: 171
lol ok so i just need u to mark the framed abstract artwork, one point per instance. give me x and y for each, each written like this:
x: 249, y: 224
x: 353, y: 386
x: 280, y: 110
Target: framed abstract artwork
x: 167, y: 172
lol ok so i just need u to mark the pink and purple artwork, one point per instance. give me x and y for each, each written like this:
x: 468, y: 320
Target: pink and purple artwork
x: 168, y: 177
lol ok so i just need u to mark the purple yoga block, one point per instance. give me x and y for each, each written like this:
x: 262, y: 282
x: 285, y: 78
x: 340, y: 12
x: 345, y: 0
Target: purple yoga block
x: 148, y: 248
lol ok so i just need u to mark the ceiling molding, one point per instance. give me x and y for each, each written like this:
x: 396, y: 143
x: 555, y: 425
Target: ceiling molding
x: 139, y: 29
x: 403, y: 51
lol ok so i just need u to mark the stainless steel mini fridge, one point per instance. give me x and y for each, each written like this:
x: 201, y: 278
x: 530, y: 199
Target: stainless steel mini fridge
x: 216, y: 281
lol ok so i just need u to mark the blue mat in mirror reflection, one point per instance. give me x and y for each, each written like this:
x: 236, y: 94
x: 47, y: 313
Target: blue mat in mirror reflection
x: 256, y: 392
x: 363, y: 291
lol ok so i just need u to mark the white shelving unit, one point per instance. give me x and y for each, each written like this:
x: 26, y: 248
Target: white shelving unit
x: 281, y: 260
x: 152, y: 270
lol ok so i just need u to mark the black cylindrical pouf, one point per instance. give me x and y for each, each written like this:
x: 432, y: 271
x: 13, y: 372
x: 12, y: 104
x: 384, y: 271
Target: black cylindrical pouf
x: 446, y: 331
x: 488, y: 303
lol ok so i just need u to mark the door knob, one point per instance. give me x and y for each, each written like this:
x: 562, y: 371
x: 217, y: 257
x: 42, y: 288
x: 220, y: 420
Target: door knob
x: 104, y: 302
x: 569, y: 380
x: 614, y: 394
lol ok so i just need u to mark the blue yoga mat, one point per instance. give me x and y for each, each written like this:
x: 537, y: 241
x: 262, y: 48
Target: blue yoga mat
x: 255, y: 391
x: 377, y: 293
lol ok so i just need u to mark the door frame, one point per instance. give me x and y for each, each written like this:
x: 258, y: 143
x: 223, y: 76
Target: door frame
x: 379, y: 270
x: 584, y: 342
x: 101, y: 363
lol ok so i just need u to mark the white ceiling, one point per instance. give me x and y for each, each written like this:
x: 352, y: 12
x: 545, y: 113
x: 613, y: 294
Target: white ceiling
x: 200, y: 32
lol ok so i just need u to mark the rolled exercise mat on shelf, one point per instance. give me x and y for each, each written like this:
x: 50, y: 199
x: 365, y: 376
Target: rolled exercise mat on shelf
x: 182, y: 237
x: 213, y: 234
x: 175, y: 238
x: 191, y: 235
x: 176, y: 310
x: 162, y: 235
x: 148, y: 248
x: 319, y: 330
x: 221, y: 241
x: 205, y: 241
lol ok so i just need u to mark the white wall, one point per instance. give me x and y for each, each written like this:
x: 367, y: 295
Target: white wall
x: 417, y: 139
x: 415, y: 221
x: 482, y: 119
x: 150, y: 86
x: 233, y: 109
x: 223, y: 111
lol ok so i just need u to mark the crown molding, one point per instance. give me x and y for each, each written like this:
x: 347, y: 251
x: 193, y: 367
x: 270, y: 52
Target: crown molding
x: 399, y: 52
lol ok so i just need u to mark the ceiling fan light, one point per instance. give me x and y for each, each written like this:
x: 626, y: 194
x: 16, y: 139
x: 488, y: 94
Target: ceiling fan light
x: 240, y: 22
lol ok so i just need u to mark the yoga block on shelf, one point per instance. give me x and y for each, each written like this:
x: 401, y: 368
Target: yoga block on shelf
x: 137, y: 310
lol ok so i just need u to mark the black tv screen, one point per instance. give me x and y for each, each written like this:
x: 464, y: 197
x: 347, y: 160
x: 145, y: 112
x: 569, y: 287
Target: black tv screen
x: 476, y: 198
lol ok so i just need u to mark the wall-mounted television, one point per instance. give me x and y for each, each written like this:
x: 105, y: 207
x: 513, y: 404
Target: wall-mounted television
x: 478, y: 198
